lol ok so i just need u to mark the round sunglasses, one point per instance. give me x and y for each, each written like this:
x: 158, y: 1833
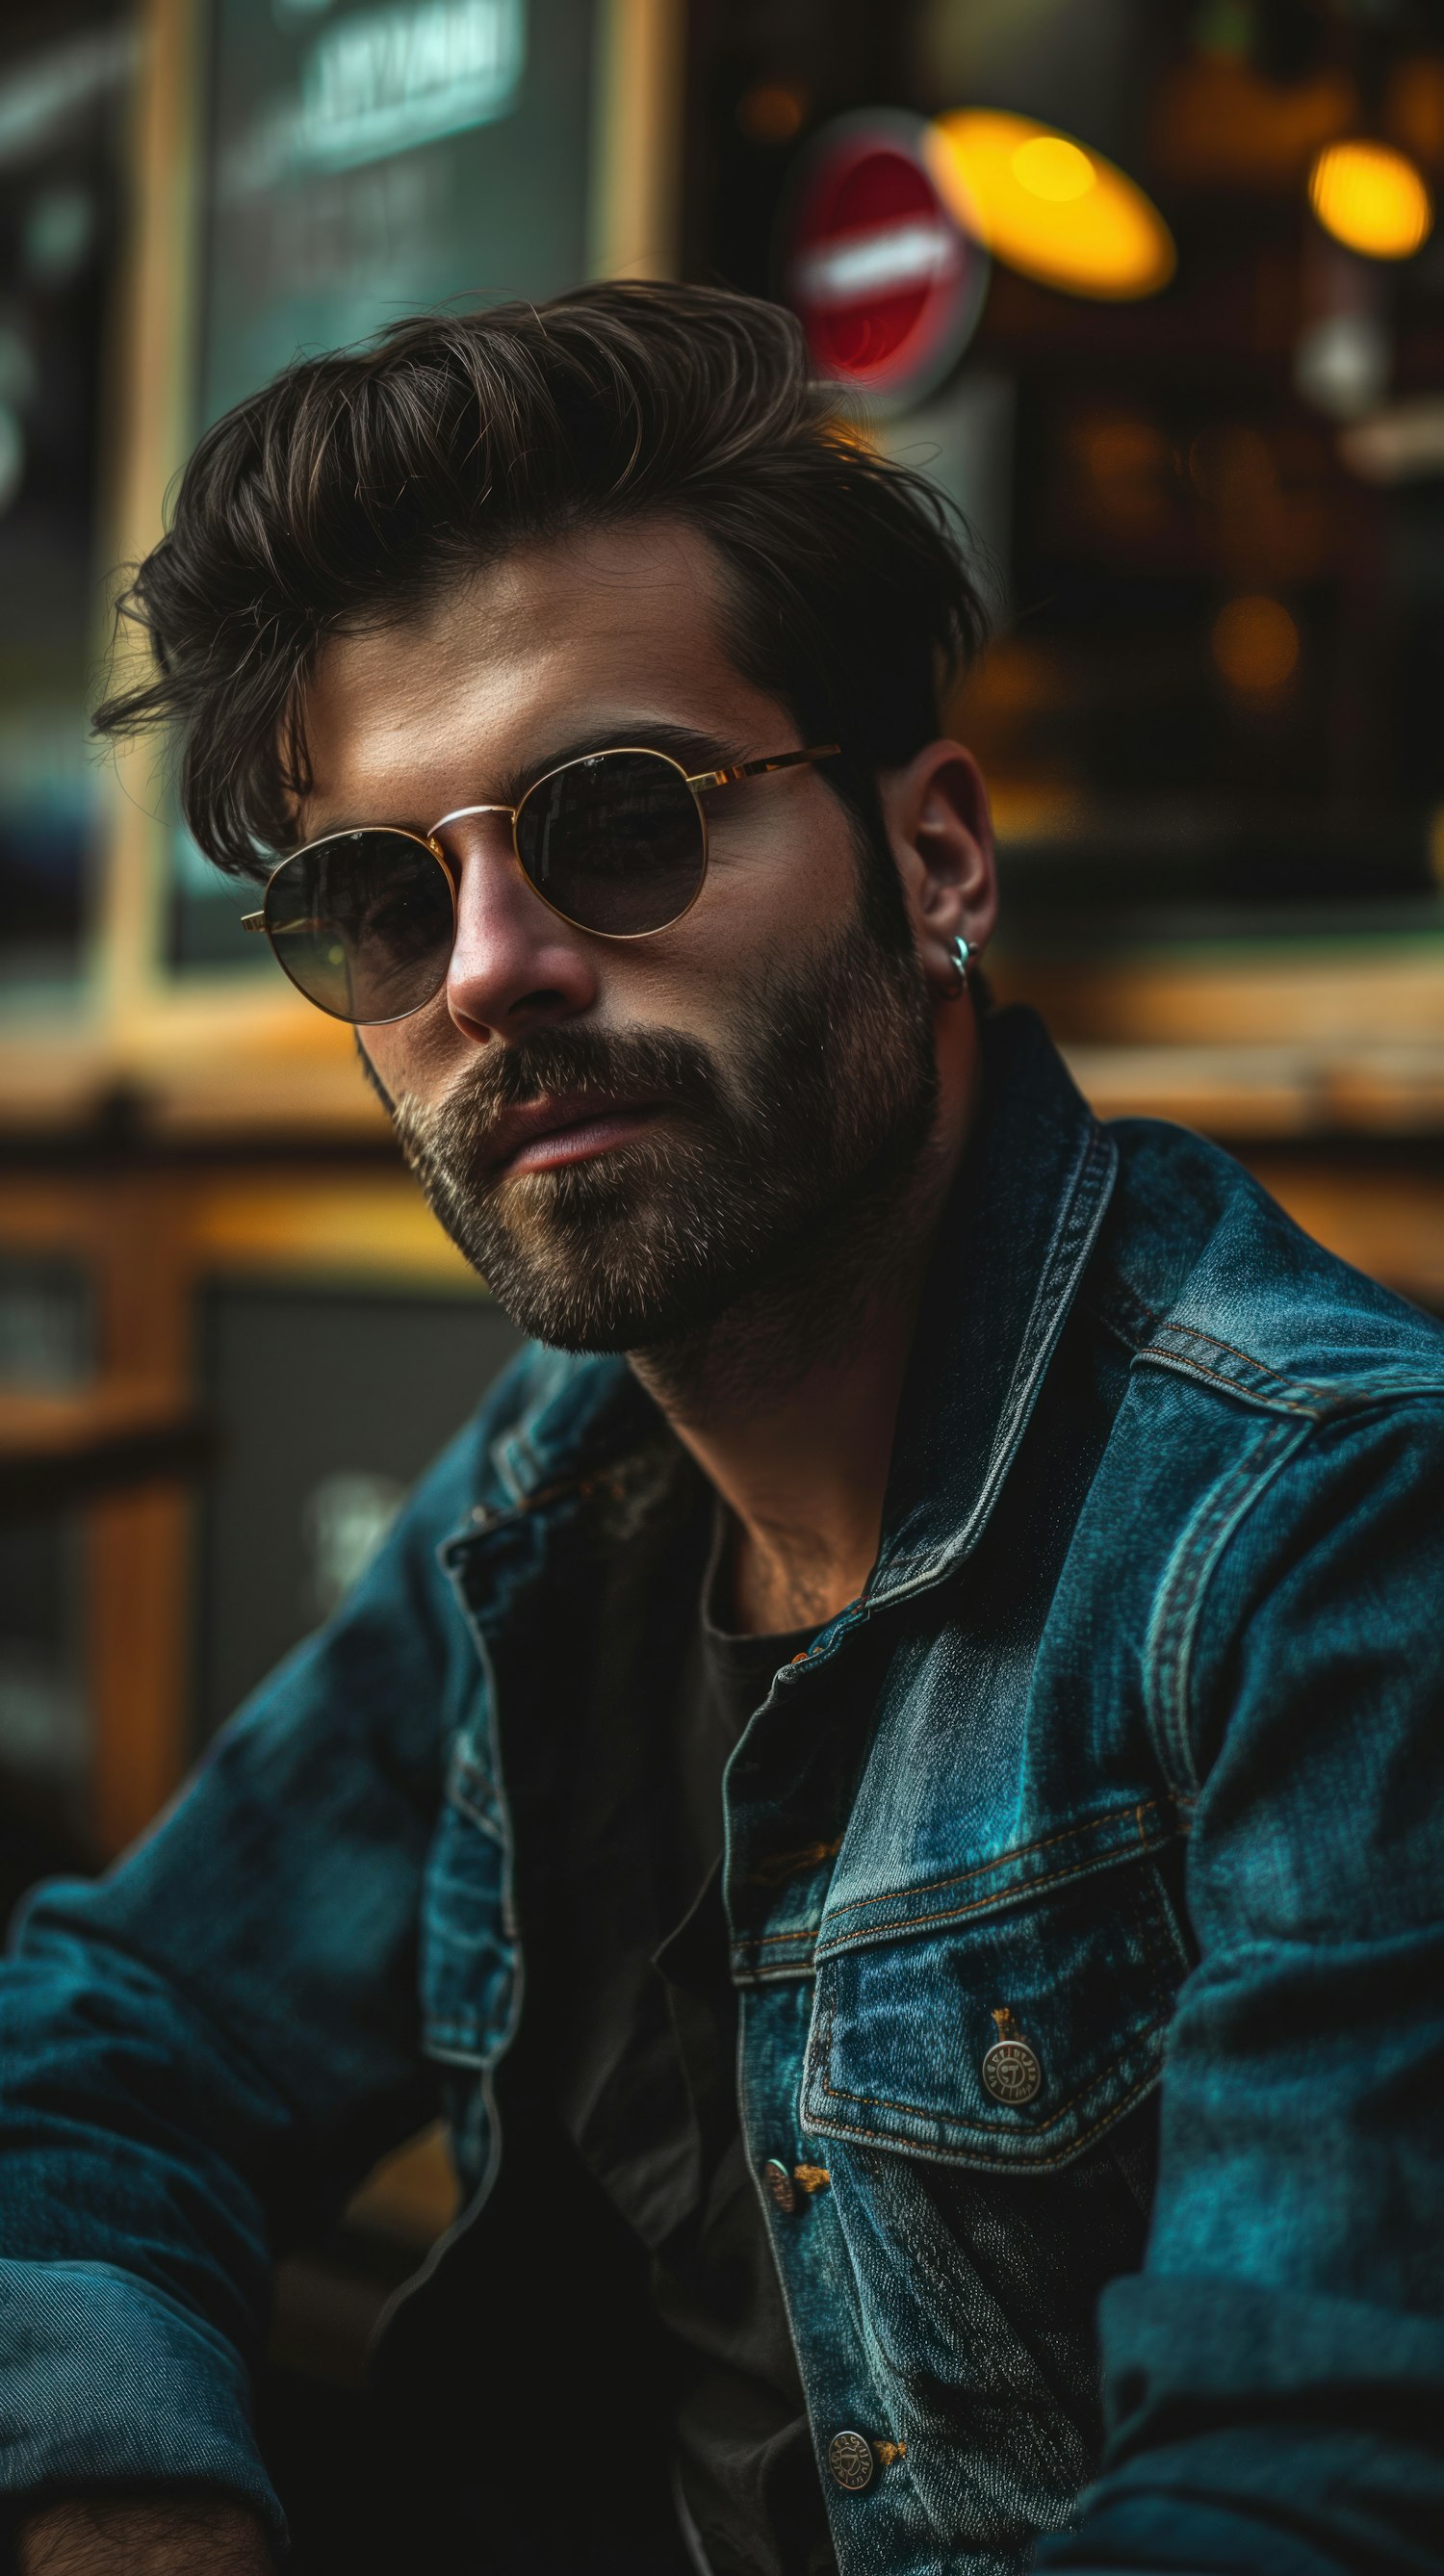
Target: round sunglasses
x: 364, y: 921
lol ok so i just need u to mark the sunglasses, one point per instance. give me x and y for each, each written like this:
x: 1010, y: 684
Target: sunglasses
x: 364, y: 922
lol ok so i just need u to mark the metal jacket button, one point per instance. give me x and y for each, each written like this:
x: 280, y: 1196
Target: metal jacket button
x: 1010, y: 2070
x: 849, y: 2457
x: 779, y: 2186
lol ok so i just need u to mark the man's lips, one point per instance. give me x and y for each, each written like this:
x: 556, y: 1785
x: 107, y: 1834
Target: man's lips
x: 551, y: 1132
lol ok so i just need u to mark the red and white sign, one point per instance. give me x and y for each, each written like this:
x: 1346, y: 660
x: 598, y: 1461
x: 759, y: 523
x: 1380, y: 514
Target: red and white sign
x: 886, y: 283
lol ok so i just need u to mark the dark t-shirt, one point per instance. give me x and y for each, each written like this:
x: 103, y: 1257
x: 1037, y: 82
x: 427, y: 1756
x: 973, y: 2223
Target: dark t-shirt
x: 673, y: 2153
x: 744, y: 2453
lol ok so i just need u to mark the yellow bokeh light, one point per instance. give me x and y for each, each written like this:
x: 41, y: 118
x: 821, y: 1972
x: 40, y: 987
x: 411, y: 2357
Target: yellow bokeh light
x: 1048, y: 207
x: 1255, y: 645
x: 1048, y: 166
x: 1372, y: 199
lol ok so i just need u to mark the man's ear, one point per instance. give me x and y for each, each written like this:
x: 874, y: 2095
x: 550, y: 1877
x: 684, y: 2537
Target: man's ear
x: 941, y: 830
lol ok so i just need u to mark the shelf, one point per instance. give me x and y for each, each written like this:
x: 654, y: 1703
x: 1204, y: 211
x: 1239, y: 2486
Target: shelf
x: 206, y: 1064
x: 1268, y: 1092
x: 60, y: 1450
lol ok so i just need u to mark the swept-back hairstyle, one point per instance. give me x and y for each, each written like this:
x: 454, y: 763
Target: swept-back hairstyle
x: 356, y: 485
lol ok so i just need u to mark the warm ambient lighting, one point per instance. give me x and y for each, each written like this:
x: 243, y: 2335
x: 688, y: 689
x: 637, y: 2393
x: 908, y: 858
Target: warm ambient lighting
x: 772, y: 111
x: 1047, y: 206
x: 1372, y: 199
x: 1255, y: 645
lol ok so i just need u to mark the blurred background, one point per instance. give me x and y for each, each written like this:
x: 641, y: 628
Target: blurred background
x: 1154, y: 288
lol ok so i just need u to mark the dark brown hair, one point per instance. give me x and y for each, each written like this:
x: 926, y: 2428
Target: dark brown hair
x: 355, y: 484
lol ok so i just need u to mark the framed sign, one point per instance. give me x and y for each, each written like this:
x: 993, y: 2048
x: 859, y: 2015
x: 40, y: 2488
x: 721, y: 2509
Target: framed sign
x: 369, y: 162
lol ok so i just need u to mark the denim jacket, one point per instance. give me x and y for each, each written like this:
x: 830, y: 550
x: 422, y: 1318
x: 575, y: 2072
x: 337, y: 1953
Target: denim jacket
x: 1127, y: 1762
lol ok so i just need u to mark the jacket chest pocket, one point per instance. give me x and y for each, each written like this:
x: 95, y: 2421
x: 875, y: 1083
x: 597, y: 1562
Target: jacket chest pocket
x: 1010, y: 2040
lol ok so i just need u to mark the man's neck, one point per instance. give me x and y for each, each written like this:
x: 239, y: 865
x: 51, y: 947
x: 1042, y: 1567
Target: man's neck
x: 789, y: 1402
x: 803, y: 1479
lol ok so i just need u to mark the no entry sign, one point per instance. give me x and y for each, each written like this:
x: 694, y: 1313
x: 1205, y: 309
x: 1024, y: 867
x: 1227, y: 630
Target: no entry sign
x: 887, y: 284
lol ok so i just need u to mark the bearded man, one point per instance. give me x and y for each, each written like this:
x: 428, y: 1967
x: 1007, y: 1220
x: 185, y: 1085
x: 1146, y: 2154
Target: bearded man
x: 889, y: 1782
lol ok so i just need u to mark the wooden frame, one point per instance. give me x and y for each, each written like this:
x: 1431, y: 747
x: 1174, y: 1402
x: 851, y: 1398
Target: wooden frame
x: 1253, y: 1039
x: 149, y: 1240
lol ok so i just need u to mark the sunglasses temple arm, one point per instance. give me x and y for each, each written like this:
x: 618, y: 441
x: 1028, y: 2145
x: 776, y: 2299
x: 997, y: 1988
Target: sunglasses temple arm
x: 758, y: 768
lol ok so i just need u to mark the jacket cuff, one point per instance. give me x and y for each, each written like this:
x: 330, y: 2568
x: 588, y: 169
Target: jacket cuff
x: 105, y: 2380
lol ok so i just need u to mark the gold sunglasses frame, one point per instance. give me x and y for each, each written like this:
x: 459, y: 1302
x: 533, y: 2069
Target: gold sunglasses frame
x: 698, y: 785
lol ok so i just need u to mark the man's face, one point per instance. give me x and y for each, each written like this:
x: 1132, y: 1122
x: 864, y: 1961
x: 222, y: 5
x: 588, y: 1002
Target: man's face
x: 625, y: 1135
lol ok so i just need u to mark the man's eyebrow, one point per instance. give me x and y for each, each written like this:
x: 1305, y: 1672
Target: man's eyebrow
x: 369, y: 821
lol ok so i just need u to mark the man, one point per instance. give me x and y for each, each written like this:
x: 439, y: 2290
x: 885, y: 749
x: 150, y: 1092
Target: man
x: 889, y: 1783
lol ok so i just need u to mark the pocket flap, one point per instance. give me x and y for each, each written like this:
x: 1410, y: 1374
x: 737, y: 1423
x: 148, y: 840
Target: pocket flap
x: 1013, y: 2039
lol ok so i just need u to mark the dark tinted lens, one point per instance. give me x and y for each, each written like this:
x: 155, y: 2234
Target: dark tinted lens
x: 615, y: 843
x: 363, y: 924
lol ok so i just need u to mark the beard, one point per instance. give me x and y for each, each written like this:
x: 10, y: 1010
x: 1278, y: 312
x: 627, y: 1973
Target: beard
x: 776, y: 1178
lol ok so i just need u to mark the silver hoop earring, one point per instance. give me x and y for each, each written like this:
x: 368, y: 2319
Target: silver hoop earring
x: 962, y: 954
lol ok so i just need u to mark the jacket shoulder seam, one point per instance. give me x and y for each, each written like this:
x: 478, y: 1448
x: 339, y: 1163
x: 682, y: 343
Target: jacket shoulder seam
x: 1167, y: 1341
x: 1178, y: 1604
x: 1182, y: 1594
x: 1269, y: 1390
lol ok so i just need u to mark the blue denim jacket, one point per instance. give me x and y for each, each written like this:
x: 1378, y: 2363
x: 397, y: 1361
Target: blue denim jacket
x: 1134, y: 1737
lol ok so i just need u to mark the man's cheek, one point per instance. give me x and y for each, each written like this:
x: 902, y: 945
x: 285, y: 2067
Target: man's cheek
x: 417, y: 1058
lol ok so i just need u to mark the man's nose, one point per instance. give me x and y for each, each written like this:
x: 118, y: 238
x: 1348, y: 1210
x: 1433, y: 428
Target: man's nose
x: 515, y: 963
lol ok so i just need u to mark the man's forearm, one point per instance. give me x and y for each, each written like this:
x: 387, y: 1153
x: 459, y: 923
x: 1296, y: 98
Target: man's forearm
x: 178, y: 2535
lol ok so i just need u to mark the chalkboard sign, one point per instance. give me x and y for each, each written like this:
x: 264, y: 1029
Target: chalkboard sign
x: 364, y: 163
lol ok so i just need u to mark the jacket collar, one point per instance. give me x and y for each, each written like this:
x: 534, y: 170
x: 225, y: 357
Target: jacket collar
x: 1013, y: 1244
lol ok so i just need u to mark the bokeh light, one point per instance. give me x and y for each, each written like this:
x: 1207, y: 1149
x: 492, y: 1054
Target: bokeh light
x: 1372, y: 199
x: 1255, y: 645
x: 772, y: 111
x: 1047, y: 206
x: 1050, y: 167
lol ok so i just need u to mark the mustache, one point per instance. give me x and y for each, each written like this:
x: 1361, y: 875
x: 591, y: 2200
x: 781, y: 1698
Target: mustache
x: 658, y: 1062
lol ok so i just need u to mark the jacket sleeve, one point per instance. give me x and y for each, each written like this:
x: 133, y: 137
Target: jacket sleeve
x: 1274, y: 2377
x: 206, y: 2049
